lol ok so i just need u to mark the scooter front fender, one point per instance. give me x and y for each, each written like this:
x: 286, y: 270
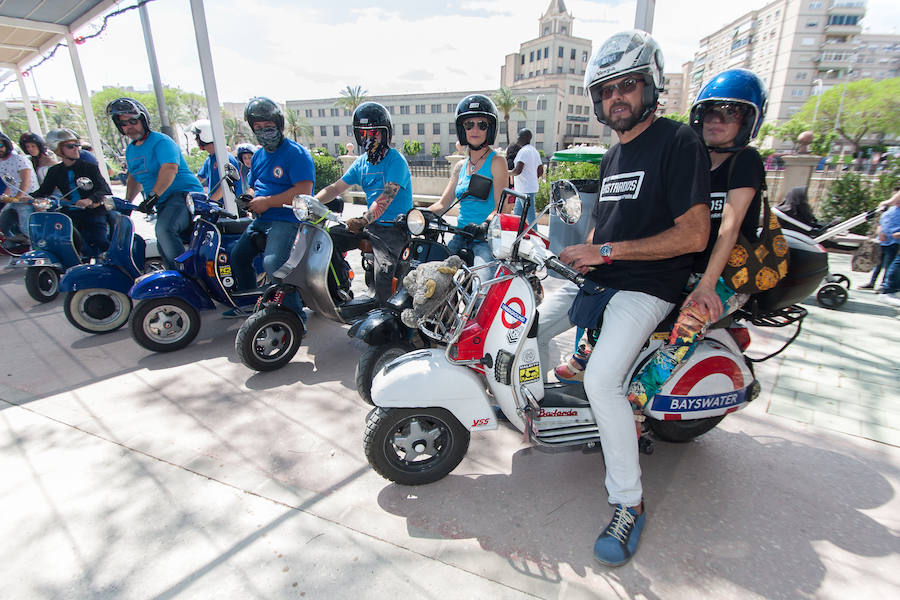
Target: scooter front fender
x: 86, y: 277
x: 425, y: 378
x: 380, y: 326
x: 168, y: 284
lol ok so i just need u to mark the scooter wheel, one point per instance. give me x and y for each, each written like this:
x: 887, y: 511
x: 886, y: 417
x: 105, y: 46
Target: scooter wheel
x: 831, y: 295
x: 164, y: 324
x: 42, y: 283
x: 97, y: 310
x: 269, y: 339
x: 414, y: 446
x: 682, y: 431
x: 372, y: 361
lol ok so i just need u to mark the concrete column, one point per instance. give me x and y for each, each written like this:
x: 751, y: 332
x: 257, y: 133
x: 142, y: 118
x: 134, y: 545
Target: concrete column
x: 453, y: 159
x: 93, y: 132
x: 33, y: 124
x: 346, y: 161
x: 798, y: 168
x: 154, y: 74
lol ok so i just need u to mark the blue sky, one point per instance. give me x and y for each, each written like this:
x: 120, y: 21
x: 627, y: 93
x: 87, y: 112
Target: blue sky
x: 303, y: 49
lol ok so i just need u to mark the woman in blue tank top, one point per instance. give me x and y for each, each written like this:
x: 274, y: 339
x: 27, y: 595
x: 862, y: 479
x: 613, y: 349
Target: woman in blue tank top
x: 477, y: 181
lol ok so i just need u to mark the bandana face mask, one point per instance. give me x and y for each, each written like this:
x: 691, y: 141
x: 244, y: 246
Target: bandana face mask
x: 373, y: 149
x: 269, y: 138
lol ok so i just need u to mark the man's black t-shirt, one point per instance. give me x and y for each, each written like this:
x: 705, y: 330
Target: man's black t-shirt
x: 748, y: 172
x: 645, y: 185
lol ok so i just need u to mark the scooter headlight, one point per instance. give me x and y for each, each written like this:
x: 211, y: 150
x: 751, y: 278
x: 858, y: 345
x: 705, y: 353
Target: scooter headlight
x: 42, y: 204
x: 495, y: 237
x: 415, y: 222
x: 190, y: 203
x: 109, y: 203
x: 301, y: 208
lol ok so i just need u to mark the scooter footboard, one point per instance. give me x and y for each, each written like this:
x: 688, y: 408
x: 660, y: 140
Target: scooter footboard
x: 425, y: 378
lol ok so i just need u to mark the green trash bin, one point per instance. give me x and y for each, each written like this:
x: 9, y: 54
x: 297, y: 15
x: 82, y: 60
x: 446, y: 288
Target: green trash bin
x: 562, y: 234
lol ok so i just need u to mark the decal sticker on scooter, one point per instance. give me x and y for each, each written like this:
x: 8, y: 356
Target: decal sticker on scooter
x: 480, y: 422
x: 557, y: 412
x: 530, y: 372
x: 664, y: 403
x: 223, y: 258
x: 513, y: 313
x: 528, y: 356
x: 405, y: 254
x: 513, y: 335
x: 228, y: 281
x: 224, y: 270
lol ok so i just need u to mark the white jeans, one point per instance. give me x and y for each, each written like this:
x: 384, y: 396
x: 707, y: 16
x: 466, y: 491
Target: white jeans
x: 628, y: 321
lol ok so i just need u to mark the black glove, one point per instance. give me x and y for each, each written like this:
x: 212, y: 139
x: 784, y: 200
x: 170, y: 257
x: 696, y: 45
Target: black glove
x: 149, y: 202
x: 477, y: 230
x: 243, y: 201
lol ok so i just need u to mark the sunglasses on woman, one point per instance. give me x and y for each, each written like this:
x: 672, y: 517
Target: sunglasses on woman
x: 482, y: 125
x: 725, y: 112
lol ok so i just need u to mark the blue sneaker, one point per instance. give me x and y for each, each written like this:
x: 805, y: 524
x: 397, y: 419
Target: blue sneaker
x: 619, y: 541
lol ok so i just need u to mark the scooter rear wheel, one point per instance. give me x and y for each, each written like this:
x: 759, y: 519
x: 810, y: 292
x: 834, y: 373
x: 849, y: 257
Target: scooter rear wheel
x: 414, y: 446
x: 97, y: 310
x: 269, y: 339
x: 372, y: 361
x: 682, y: 431
x: 42, y: 283
x: 164, y: 324
x: 831, y: 295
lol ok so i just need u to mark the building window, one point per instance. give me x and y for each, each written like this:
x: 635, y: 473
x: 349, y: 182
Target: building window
x: 336, y: 130
x: 435, y: 108
x: 559, y: 69
x: 812, y: 24
x: 545, y: 70
x: 523, y: 104
x: 530, y: 73
x: 571, y: 69
x: 323, y: 130
x: 436, y: 128
x: 546, y: 51
x: 572, y: 55
x: 539, y: 127
x: 420, y: 109
x: 523, y: 59
x: 308, y: 113
x: 572, y: 89
x: 584, y: 56
x: 420, y: 129
x: 814, y: 6
x: 542, y: 104
x: 405, y: 128
x: 321, y: 112
x: 390, y: 109
x: 502, y: 126
x: 801, y: 75
x: 796, y: 93
x: 561, y: 51
x: 520, y: 125
x: 451, y: 108
x: 404, y: 110
x: 335, y: 112
x: 571, y: 109
x: 539, y: 145
x: 563, y: 31
x: 531, y: 56
x: 451, y: 148
x: 349, y: 130
x: 346, y: 113
x: 580, y: 91
x: 578, y: 110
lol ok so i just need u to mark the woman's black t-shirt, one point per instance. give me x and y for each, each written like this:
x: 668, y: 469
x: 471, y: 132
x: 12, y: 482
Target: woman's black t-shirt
x: 645, y: 185
x: 748, y: 172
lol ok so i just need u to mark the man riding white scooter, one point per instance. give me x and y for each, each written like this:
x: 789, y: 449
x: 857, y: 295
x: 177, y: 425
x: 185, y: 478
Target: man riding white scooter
x: 652, y: 214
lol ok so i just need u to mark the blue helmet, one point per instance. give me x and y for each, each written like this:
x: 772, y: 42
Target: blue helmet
x: 738, y: 86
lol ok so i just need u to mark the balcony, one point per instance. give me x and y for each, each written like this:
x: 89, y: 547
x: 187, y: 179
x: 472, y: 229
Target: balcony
x: 843, y: 29
x: 845, y: 7
x: 825, y: 62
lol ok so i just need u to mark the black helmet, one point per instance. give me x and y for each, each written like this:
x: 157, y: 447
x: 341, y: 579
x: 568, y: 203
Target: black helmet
x: 244, y: 149
x: 261, y: 108
x: 127, y: 106
x: 32, y: 138
x: 6, y: 142
x: 371, y: 115
x: 476, y: 105
x: 526, y: 135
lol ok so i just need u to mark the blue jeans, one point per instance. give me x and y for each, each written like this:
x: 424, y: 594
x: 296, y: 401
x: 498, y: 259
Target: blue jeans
x: 172, y: 217
x: 891, y: 283
x: 94, y: 234
x: 888, y: 254
x: 480, y: 250
x: 280, y: 237
x: 15, y: 214
x: 520, y: 205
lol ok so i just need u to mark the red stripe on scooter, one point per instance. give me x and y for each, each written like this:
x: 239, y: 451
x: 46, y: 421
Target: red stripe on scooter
x: 672, y: 417
x: 705, y: 368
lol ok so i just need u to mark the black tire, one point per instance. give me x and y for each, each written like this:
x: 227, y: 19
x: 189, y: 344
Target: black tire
x: 831, y: 295
x: 682, y: 431
x: 269, y: 339
x: 437, y: 438
x: 164, y: 324
x: 372, y: 361
x: 42, y: 283
x: 97, y: 310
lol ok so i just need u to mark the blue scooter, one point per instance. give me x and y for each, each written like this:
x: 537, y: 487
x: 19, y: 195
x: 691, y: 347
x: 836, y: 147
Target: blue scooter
x: 97, y: 295
x: 53, y: 247
x: 167, y: 315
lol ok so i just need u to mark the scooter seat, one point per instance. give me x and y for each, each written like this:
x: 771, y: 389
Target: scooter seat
x: 563, y: 394
x: 234, y: 226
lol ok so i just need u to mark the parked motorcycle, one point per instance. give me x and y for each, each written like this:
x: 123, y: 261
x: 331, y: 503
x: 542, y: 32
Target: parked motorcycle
x: 97, y: 294
x: 53, y: 243
x: 428, y: 401
x: 16, y: 244
x: 271, y: 336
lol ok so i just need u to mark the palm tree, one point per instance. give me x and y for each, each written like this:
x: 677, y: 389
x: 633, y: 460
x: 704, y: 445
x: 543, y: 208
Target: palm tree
x: 351, y: 97
x: 236, y: 129
x: 507, y: 103
x: 296, y: 125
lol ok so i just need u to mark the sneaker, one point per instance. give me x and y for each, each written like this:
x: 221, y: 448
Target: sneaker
x: 890, y: 298
x: 237, y: 313
x: 573, y: 370
x: 867, y: 286
x: 619, y: 541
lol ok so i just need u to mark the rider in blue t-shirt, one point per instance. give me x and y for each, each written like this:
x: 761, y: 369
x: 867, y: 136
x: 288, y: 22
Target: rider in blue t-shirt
x: 478, y: 181
x: 209, y: 172
x: 156, y: 165
x: 383, y: 175
x: 280, y: 170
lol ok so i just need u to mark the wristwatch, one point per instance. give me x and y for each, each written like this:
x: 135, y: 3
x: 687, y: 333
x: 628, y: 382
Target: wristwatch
x: 606, y: 253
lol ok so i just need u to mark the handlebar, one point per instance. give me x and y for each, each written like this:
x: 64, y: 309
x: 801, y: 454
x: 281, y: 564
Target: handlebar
x: 509, y: 192
x: 554, y: 264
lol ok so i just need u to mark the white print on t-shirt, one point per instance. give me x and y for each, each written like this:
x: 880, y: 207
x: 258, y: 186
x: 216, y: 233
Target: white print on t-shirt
x: 624, y: 186
x: 716, y: 204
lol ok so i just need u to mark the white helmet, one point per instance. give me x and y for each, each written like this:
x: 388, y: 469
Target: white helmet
x: 626, y: 52
x: 202, y: 130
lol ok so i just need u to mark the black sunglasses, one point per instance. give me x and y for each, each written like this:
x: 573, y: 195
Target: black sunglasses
x: 728, y: 113
x: 72, y: 146
x: 482, y: 125
x: 626, y: 86
x: 131, y: 121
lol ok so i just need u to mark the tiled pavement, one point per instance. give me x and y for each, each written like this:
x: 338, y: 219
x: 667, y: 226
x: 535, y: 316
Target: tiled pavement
x: 843, y: 371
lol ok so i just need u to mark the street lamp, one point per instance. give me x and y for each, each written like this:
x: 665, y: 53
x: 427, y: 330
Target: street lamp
x: 818, y: 88
x: 837, y: 119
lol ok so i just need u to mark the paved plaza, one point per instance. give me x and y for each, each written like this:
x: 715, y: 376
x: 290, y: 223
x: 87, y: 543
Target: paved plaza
x: 128, y: 474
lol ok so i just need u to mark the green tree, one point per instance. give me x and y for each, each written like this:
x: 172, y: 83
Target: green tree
x: 351, y: 97
x: 236, y: 129
x: 680, y: 118
x: 296, y: 125
x: 328, y: 169
x: 566, y: 170
x: 507, y: 103
x: 848, y: 195
x: 411, y: 147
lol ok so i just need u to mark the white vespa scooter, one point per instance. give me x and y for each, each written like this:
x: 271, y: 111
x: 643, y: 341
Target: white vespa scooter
x: 428, y: 401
